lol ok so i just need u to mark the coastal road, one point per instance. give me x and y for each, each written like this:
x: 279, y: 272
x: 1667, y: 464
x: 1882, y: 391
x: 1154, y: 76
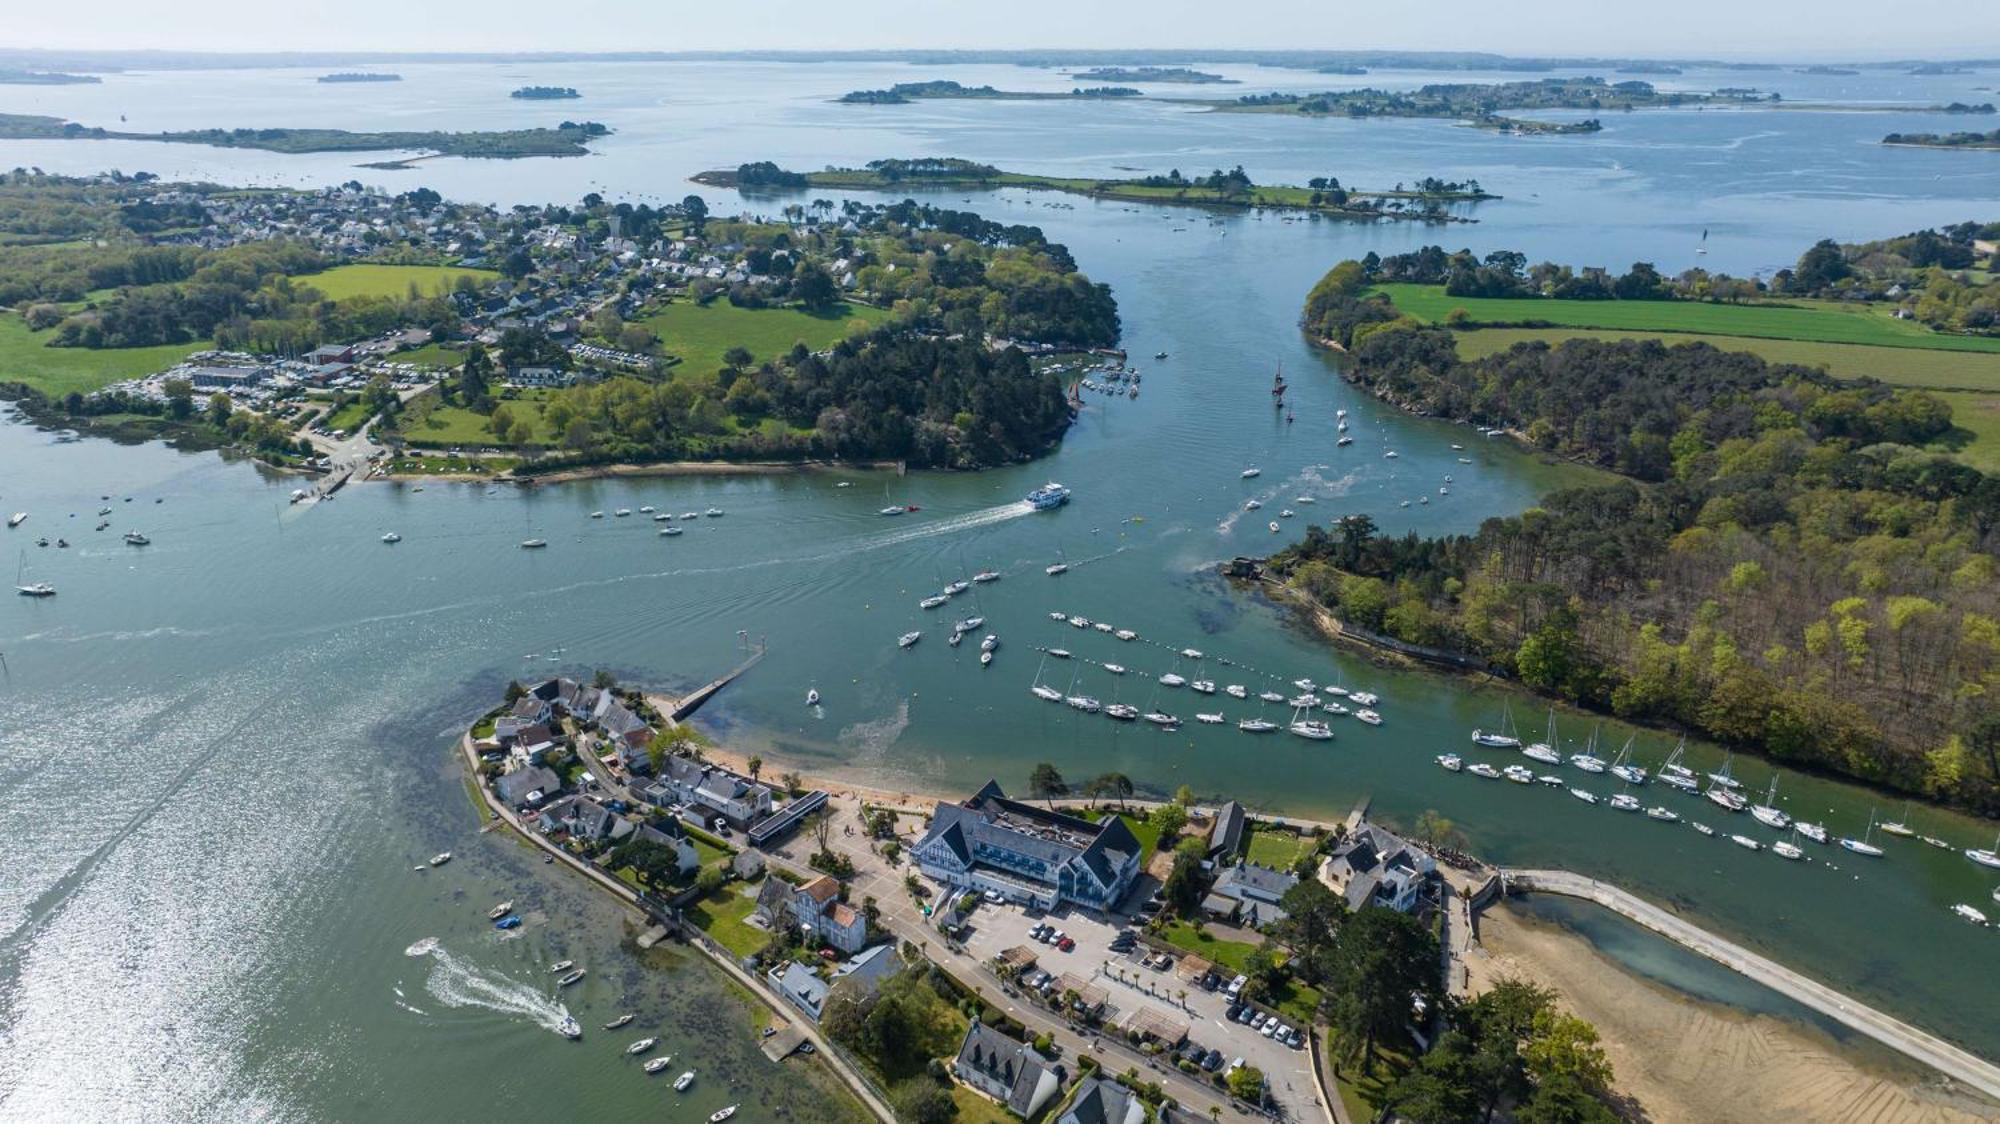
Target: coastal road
x: 1897, y: 1035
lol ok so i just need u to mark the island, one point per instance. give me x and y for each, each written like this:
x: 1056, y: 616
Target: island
x: 902, y: 93
x: 1828, y: 71
x: 359, y: 76
x: 10, y: 76
x: 1348, y: 69
x: 1175, y: 74
x: 1967, y: 140
x: 546, y: 93
x: 1425, y: 199
x: 1483, y: 104
x: 570, y: 138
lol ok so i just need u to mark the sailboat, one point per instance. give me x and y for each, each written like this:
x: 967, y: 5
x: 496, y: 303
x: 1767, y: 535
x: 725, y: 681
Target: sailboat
x: 26, y: 589
x: 1081, y: 702
x: 1789, y: 848
x: 1703, y: 247
x: 1060, y: 567
x: 1864, y: 845
x: 1622, y: 767
x: 1505, y: 738
x: 1901, y: 826
x: 1588, y: 760
x: 1672, y: 772
x: 1722, y: 789
x: 1990, y: 857
x: 1545, y: 751
x: 1037, y: 689
x: 1768, y: 813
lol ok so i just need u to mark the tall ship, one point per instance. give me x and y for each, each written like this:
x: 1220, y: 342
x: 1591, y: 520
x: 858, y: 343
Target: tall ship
x: 1049, y: 496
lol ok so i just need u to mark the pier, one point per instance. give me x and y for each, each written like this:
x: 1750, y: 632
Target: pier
x: 1953, y: 1062
x: 678, y: 709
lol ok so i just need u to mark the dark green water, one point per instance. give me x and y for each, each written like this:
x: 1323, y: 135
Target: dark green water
x: 221, y: 755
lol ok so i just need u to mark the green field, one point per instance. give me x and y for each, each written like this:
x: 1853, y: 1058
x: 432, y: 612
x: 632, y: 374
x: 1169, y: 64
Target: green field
x: 1903, y: 366
x: 1816, y: 321
x: 56, y: 371
x: 348, y: 418
x: 1978, y: 414
x: 367, y: 280
x: 1277, y: 849
x: 431, y: 355
x: 699, y: 334
x: 456, y: 425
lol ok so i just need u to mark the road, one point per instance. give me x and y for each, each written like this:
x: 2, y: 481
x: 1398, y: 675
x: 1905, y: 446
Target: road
x: 1897, y: 1035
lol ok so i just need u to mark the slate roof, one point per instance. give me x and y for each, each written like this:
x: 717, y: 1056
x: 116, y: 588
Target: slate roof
x: 1052, y: 837
x: 1225, y: 834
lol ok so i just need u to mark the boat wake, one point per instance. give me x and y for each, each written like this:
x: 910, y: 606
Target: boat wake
x: 455, y: 983
x: 870, y: 741
x: 985, y: 517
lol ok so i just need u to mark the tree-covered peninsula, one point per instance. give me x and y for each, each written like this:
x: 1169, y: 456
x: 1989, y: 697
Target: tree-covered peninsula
x: 571, y: 138
x: 1785, y: 567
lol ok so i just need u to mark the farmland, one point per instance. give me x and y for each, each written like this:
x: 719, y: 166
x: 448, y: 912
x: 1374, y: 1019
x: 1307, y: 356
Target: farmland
x: 700, y: 334
x: 56, y: 371
x: 369, y: 280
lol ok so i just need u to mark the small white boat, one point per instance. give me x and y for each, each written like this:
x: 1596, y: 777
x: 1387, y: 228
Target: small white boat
x: 658, y: 1064
x: 1286, y: 513
x: 1236, y: 691
x: 134, y: 538
x: 1306, y: 685
x: 1550, y: 780
x: 1274, y: 528
x: 1054, y: 616
x: 812, y: 696
x: 569, y: 1028
x: 16, y: 519
x: 1786, y: 849
x: 1213, y: 719
x: 597, y: 515
x: 1191, y: 653
x: 1101, y: 627
x: 690, y: 515
x: 1079, y: 622
x: 663, y: 517
x: 1866, y: 844
x: 1059, y: 653
x: 561, y: 966
x: 1969, y: 913
x: 1114, y: 668
x: 1124, y: 712
x: 1126, y: 634
x: 1662, y: 813
x: 622, y: 1020
x: 1368, y: 716
x: 1252, y: 505
x: 1541, y: 751
x: 1482, y: 769
x: 1058, y: 568
x: 1249, y: 473
x: 1985, y: 857
x: 683, y: 1081
x: 1451, y: 761
x: 986, y: 659
x: 670, y: 532
x: 501, y: 910
x: 1202, y: 686
x: 1746, y: 842
x: 572, y: 979
x: 534, y: 544
x: 1084, y: 703
x: 1256, y: 726
x: 1045, y: 693
x: 1306, y: 701
x: 721, y: 1114
x: 1161, y: 719
x: 1335, y: 708
x: 1303, y: 499
x: 392, y: 537
x: 985, y: 576
x: 1519, y: 774
x: 713, y: 512
x: 1625, y: 802
x: 441, y: 858
x: 1390, y: 455
x: 990, y: 643
x: 622, y: 512
x: 1363, y: 697
x: 908, y: 638
x: 642, y: 1045
x: 1584, y: 794
x: 1172, y: 680
x: 648, y: 509
x: 957, y: 587
x: 1704, y: 829
x: 1587, y: 762
x: 1815, y: 832
x: 1271, y: 696
x: 932, y: 602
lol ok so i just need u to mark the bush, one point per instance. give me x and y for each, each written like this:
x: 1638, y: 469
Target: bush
x: 1043, y: 1042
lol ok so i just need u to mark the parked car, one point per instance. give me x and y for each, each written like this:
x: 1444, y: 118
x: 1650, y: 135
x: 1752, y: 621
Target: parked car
x: 993, y: 897
x: 1269, y: 1028
x: 1213, y: 1061
x: 1066, y: 944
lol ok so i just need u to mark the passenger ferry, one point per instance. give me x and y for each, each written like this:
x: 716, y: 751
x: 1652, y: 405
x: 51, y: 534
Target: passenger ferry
x: 1048, y: 496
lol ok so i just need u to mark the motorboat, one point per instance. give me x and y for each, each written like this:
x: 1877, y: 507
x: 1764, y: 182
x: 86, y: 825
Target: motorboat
x: 1969, y: 913
x: 597, y: 515
x: 658, y: 1064
x: 1335, y: 708
x: 1191, y: 653
x: 562, y: 966
x: 1161, y: 719
x: 36, y: 589
x: 986, y: 659
x: 134, y: 538
x: 1482, y: 769
x: 533, y: 544
x: 1584, y: 794
x: 1303, y: 499
x: 1704, y: 828
x: 508, y: 922
x: 1768, y: 813
x: 1662, y: 813
x: 1363, y: 698
x: 1815, y: 832
x: 957, y: 587
x: 908, y: 638
x: 569, y: 1028
x: 1202, y: 686
x: 1390, y: 455
x: 1045, y: 692
x: 642, y: 1045
x: 1369, y: 717
x: 1306, y: 685
x: 1213, y: 719
x: 1123, y: 712
x: 716, y: 512
x: 984, y: 576
x: 1048, y: 497
x: 812, y: 696
x: 1126, y: 634
x: 1305, y: 701
x: 1114, y: 668
x: 1084, y: 703
x: 891, y: 510
x: 1312, y: 729
x: 392, y: 537
x: 647, y: 509
x: 16, y: 519
x: 1344, y: 440
x: 1101, y: 627
x: 1236, y: 691
x: 622, y: 512
x: 1250, y: 473
x: 1519, y: 774
x: 1624, y: 802
x: 1252, y: 505
x: 933, y: 602
x: 1271, y: 696
x: 1058, y: 568
x: 1451, y: 761
x: 670, y: 532
x: 1746, y: 842
x: 501, y: 910
x: 725, y: 1112
x: 1058, y: 616
x: 572, y: 979
x: 441, y: 858
x: 1079, y: 622
x: 989, y: 643
x: 1286, y: 513
x: 1172, y: 680
x: 1059, y: 653
x: 1550, y: 780
x: 683, y: 1081
x: 622, y: 1020
x: 690, y: 515
x: 1274, y: 527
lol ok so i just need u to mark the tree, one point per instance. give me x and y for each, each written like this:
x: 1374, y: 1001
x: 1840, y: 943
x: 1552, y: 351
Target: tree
x: 1047, y: 783
x: 1313, y: 915
x: 1184, y: 796
x: 921, y: 1100
x: 1168, y: 820
x: 1183, y: 888
x: 219, y: 407
x: 1564, y: 1100
x: 1434, y: 829
x: 517, y: 264
x: 755, y: 765
x: 737, y: 358
x: 1381, y: 961
x: 1561, y: 1045
x: 1246, y: 1082
x: 180, y: 398
x: 695, y: 210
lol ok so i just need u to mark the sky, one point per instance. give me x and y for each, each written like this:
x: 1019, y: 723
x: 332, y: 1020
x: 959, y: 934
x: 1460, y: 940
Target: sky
x: 1777, y: 30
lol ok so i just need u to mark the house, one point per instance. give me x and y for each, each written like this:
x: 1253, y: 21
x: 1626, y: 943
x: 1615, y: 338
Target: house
x: 1006, y: 1070
x: 330, y: 353
x: 800, y: 987
x: 1374, y: 867
x: 528, y: 786
x: 1252, y: 892
x: 538, y: 376
x: 1225, y: 832
x: 1101, y: 1101
x: 736, y: 798
x: 868, y: 968
x: 816, y: 909
x: 747, y: 865
x: 532, y: 709
x: 1028, y: 854
x: 685, y: 856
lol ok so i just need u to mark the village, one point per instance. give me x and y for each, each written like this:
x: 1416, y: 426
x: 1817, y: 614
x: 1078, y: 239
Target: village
x: 1117, y: 960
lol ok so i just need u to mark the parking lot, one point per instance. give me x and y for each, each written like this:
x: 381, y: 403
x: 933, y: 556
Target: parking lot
x: 1157, y: 995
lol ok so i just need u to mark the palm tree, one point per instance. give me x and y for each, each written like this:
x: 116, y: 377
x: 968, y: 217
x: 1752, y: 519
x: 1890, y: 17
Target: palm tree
x: 756, y: 766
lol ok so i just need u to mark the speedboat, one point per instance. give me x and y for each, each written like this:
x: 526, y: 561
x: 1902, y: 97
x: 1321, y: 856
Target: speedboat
x: 1274, y: 527
x: 721, y: 1114
x: 647, y: 509
x: 658, y: 1064
x: 1126, y: 634
x: 1306, y: 685
x: 1584, y: 794
x: 1364, y: 698
x: 1079, y: 622
x: 1236, y: 691
x: 1519, y: 774
x: 572, y: 979
x: 683, y: 1081
x: 1482, y: 769
x: 622, y: 1020
x: 36, y: 589
x: 134, y: 538
x: 1344, y: 440
x: 990, y: 643
x: 1969, y: 913
x: 642, y: 1045
x: 1172, y: 680
x: 1202, y: 686
x: 1335, y: 708
x: 597, y: 515
x: 1248, y: 473
x: 1191, y: 653
x: 1368, y: 716
x: 1213, y: 719
x: 1124, y: 712
x: 441, y: 858
x: 715, y: 512
x: 1625, y: 802
x: 1058, y: 568
x: 1286, y: 513
x: 670, y: 532
x: 985, y: 576
x: 908, y: 638
x: 392, y: 537
x: 1313, y: 729
x: 1252, y: 505
x: 812, y: 696
x: 1161, y: 719
x: 16, y: 519
x: 508, y: 922
x: 1662, y: 813
x: 569, y: 1028
x: 890, y: 511
x: 562, y: 966
x: 1256, y: 726
x: 534, y: 544
x: 986, y: 659
x: 1451, y: 761
x: 501, y: 910
x: 1746, y: 842
x: 622, y: 512
x: 690, y: 515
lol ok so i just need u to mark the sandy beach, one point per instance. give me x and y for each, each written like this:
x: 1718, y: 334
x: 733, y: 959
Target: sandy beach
x: 1683, y: 1060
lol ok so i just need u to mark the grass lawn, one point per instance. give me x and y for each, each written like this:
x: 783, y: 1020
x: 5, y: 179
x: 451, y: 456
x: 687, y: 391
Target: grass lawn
x: 975, y: 1109
x: 366, y: 280
x: 1277, y: 849
x: 1363, y: 1095
x: 722, y: 916
x: 1142, y: 830
x: 348, y: 417
x: 700, y: 334
x: 56, y: 371
x: 708, y: 853
x: 431, y: 355
x: 1821, y: 322
x: 1232, y: 955
x: 452, y: 466
x: 1903, y: 366
x: 1980, y: 414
